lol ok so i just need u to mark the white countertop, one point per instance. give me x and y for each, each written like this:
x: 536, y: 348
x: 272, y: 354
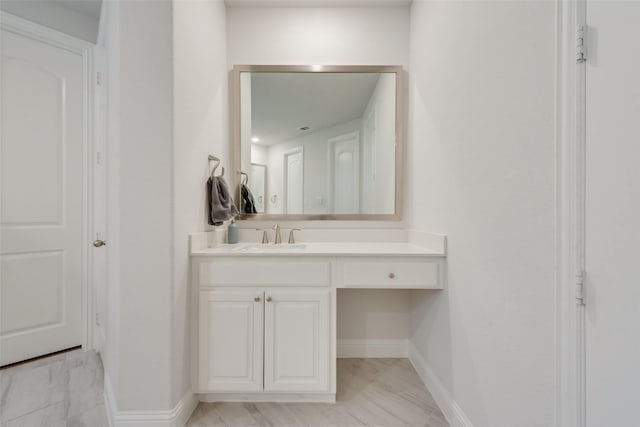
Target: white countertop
x: 319, y: 249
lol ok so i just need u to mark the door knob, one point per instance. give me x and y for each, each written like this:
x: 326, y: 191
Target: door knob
x: 98, y: 243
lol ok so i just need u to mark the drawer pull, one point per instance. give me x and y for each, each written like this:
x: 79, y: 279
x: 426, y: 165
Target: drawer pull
x: 392, y: 276
x: 257, y: 299
x: 268, y: 299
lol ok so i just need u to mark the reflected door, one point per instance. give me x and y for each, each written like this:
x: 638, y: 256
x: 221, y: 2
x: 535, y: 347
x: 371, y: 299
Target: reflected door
x: 294, y: 182
x: 41, y: 204
x: 345, y: 165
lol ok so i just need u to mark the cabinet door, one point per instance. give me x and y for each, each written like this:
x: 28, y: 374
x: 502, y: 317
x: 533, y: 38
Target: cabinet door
x: 296, y: 347
x: 230, y: 355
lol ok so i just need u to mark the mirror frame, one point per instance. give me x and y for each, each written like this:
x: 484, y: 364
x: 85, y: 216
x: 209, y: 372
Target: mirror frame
x: 237, y: 137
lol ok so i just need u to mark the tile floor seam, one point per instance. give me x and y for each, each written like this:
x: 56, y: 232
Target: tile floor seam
x: 42, y: 408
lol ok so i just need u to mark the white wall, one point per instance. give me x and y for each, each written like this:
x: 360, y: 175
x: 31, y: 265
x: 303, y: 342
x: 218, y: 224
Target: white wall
x: 201, y: 123
x: 168, y: 109
x: 140, y: 150
x: 259, y: 154
x: 373, y: 314
x: 331, y: 35
x: 481, y: 170
x: 612, y: 209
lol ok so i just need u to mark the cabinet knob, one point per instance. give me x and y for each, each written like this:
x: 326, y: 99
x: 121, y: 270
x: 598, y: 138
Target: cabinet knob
x: 257, y: 299
x: 268, y: 299
x: 392, y: 276
x: 99, y: 243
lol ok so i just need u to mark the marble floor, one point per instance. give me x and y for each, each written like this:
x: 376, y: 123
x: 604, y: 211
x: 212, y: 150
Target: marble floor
x: 66, y: 390
x: 371, y: 392
x: 63, y: 390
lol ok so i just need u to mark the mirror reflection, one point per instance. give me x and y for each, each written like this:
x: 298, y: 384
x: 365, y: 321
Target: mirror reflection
x: 318, y: 143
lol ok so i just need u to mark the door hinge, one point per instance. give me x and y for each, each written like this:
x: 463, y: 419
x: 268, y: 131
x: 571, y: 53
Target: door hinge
x: 97, y: 319
x: 581, y: 44
x: 580, y: 295
x: 99, y: 78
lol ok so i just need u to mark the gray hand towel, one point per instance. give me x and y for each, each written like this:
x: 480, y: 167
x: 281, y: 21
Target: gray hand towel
x: 221, y: 206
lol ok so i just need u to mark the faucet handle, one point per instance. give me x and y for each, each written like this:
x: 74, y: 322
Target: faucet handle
x: 265, y: 235
x: 291, y: 238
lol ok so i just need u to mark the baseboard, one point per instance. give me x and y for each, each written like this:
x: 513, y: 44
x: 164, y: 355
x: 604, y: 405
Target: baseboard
x: 109, y: 400
x: 176, y: 417
x: 185, y: 408
x: 451, y: 410
x: 370, y: 348
x: 269, y: 397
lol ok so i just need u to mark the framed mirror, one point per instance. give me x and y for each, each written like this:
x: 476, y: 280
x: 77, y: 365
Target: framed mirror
x: 318, y: 142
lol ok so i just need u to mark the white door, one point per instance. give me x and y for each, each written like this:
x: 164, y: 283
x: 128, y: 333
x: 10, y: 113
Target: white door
x: 612, y: 218
x: 230, y: 337
x: 345, y: 166
x: 294, y: 166
x: 41, y: 215
x: 296, y: 341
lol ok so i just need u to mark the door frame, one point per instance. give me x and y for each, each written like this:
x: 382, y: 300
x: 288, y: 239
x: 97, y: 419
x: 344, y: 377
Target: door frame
x: 570, y: 352
x: 85, y: 49
x: 265, y: 186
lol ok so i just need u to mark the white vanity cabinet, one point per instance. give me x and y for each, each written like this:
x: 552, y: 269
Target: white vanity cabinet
x: 263, y: 326
x: 264, y: 318
x: 284, y: 331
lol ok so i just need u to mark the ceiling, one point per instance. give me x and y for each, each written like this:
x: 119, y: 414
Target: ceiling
x: 282, y: 103
x: 78, y: 18
x: 86, y: 7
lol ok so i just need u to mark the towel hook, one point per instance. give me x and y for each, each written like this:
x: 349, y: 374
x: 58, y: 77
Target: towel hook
x: 215, y: 159
x: 244, y: 179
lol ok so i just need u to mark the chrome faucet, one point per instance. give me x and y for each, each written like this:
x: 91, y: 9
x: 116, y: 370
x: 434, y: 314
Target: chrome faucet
x: 278, y: 238
x: 291, y: 238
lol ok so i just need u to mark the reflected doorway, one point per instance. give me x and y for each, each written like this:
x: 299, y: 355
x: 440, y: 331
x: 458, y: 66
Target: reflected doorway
x: 294, y: 181
x: 344, y: 155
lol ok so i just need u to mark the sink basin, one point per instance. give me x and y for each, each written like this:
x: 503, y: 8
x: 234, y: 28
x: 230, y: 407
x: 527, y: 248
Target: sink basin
x: 296, y: 247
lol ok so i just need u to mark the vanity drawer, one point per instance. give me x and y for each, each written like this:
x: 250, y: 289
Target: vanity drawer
x: 264, y: 271
x: 408, y: 273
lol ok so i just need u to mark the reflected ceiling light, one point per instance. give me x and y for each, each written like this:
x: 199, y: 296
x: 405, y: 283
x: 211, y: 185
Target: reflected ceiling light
x: 255, y: 139
x: 316, y: 67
